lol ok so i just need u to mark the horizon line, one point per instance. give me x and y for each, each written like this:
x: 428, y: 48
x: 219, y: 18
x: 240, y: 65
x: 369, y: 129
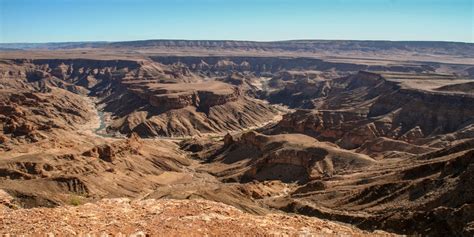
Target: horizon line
x: 235, y: 40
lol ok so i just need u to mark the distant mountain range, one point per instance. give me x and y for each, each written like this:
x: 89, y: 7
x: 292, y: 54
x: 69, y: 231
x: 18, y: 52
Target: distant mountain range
x: 53, y: 46
x: 425, y: 47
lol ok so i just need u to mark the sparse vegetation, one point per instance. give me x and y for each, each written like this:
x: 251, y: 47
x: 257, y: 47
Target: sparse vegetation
x: 75, y: 201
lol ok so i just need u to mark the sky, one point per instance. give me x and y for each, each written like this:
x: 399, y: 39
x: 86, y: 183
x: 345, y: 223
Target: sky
x: 36, y: 21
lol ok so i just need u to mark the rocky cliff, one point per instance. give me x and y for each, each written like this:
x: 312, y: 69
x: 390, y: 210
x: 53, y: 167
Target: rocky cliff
x: 359, y: 109
x: 28, y: 117
x: 270, y: 65
x: 427, y: 195
x: 289, y: 158
x: 169, y: 94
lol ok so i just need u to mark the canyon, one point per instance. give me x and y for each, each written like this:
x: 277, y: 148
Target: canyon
x: 285, y: 138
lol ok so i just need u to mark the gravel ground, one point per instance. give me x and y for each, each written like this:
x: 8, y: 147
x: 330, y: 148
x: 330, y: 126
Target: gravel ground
x: 123, y: 217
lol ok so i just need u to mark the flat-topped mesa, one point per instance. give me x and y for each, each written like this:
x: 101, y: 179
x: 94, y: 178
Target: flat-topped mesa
x: 172, y: 101
x: 207, y: 99
x: 202, y: 95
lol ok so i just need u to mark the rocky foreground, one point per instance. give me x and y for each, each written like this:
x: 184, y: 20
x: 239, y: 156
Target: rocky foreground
x: 164, y: 217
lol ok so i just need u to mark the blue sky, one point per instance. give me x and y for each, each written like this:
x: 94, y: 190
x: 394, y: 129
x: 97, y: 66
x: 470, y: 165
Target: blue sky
x: 261, y: 20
